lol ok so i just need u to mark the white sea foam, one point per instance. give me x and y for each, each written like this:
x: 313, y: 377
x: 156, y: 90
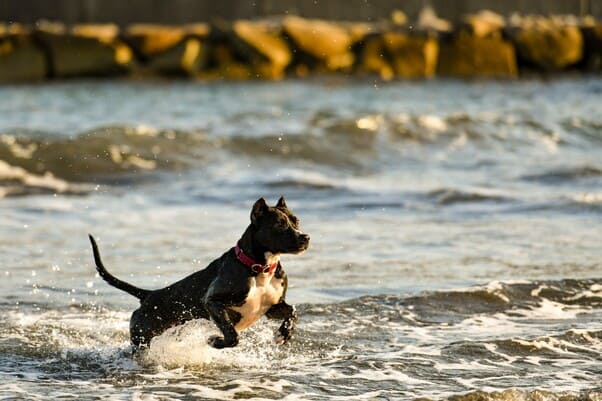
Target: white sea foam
x: 547, y: 309
x: 591, y: 198
x: 18, y: 150
x: 432, y: 122
x: 184, y: 345
x: 46, y: 181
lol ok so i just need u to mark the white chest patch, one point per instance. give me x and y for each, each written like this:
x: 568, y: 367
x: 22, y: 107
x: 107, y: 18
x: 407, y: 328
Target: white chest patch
x: 266, y: 291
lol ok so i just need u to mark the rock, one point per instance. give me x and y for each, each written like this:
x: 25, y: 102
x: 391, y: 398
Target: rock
x: 464, y: 55
x: 484, y: 24
x: 183, y: 58
x: 399, y: 18
x: 592, y: 46
x: 148, y: 40
x: 266, y: 50
x: 106, y: 33
x: 359, y: 30
x: 428, y: 21
x: 320, y: 45
x: 14, y: 29
x: 373, y: 58
x: 168, y: 50
x: 412, y: 56
x: 20, y: 59
x: 223, y: 63
x: 547, y: 44
x: 83, y: 51
x: 229, y: 56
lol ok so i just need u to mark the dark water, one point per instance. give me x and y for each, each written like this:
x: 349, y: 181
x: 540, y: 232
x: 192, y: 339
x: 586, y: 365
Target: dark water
x: 456, y: 236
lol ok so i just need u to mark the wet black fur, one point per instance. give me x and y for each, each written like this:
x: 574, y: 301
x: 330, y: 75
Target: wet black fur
x: 211, y: 292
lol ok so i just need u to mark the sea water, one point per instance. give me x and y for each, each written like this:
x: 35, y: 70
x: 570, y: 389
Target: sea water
x: 456, y: 236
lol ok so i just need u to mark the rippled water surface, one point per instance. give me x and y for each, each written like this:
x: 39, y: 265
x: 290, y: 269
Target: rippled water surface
x: 456, y: 236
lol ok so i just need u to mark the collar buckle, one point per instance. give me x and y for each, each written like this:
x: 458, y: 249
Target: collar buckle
x: 255, y: 267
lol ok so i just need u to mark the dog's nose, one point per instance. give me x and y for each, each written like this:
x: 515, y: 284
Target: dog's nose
x: 304, y: 238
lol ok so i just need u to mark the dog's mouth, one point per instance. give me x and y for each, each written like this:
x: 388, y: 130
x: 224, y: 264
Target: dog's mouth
x: 300, y: 247
x: 302, y: 244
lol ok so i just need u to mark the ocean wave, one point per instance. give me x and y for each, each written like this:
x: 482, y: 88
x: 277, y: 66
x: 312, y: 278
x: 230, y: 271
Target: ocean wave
x: 102, y: 152
x: 485, y: 129
x: 358, y: 143
x: 577, y: 203
x: 589, y: 129
x: 107, y: 152
x: 299, y: 183
x: 565, y: 174
x: 520, y: 299
x: 447, y: 196
x: 38, y: 163
x: 527, y: 395
x: 574, y: 344
x: 16, y: 181
x: 336, y: 151
x: 434, y: 345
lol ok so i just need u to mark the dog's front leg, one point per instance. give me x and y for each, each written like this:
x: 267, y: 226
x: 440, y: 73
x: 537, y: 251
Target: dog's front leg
x: 282, y: 310
x: 217, y: 311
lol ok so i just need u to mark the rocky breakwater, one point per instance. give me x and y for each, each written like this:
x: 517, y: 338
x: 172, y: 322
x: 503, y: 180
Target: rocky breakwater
x: 484, y: 44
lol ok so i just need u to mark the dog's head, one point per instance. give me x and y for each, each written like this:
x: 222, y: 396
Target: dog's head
x: 277, y: 228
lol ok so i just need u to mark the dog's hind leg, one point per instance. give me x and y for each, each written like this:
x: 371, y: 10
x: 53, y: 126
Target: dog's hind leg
x: 287, y: 312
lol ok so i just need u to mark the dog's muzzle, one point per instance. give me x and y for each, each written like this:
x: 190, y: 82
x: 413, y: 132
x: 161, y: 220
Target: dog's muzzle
x: 303, y: 241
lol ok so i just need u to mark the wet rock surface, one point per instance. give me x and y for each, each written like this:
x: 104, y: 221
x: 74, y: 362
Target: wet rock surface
x: 482, y: 44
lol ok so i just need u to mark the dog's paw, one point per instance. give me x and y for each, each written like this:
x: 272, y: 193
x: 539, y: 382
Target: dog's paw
x: 221, y: 342
x: 216, y: 342
x: 281, y: 337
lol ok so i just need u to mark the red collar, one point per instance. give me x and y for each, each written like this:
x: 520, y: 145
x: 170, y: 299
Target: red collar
x: 252, y: 264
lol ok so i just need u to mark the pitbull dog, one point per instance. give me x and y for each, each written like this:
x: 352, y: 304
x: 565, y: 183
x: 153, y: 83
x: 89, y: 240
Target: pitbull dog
x: 234, y: 291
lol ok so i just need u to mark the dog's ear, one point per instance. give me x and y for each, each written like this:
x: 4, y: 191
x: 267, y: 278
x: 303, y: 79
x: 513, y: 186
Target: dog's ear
x: 281, y: 203
x: 259, y: 209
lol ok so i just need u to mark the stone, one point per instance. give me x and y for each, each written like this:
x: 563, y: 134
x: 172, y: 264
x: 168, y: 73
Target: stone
x: 83, y: 51
x: 327, y: 44
x: 106, y: 33
x: 148, y: 40
x: 264, y: 47
x: 429, y: 21
x: 168, y: 50
x: 20, y: 59
x: 399, y: 18
x: 412, y: 56
x: 484, y: 24
x: 467, y: 56
x: 183, y: 58
x: 547, y: 44
x: 592, y: 45
x: 373, y: 57
x: 223, y: 63
x: 267, y: 42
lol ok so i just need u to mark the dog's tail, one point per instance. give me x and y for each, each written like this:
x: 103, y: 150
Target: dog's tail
x: 114, y: 281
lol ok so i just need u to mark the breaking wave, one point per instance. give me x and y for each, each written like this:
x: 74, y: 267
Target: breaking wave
x: 452, y: 196
x: 436, y: 345
x: 363, y: 143
x: 565, y: 175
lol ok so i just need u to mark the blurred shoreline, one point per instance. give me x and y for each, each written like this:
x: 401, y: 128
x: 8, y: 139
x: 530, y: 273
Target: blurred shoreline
x: 480, y: 45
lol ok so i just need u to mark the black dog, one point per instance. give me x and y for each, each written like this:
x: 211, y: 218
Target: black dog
x: 234, y: 291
